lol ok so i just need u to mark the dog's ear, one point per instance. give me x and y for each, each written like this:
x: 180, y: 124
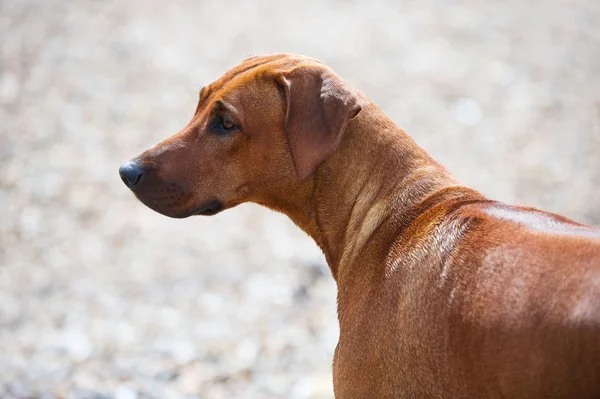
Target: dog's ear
x: 319, y: 106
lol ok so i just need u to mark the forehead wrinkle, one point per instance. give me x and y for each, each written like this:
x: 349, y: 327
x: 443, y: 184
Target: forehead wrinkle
x: 224, y: 105
x: 230, y: 75
x: 230, y: 95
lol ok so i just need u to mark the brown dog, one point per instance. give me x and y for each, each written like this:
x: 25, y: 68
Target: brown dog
x: 442, y: 293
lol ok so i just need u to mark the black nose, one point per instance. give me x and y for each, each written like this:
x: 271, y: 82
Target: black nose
x: 131, y: 173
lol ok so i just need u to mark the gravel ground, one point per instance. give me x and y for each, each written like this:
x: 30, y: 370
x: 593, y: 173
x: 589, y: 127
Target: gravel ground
x: 100, y: 297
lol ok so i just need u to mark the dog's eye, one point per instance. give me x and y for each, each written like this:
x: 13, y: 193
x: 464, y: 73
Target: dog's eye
x: 222, y: 125
x: 226, y: 124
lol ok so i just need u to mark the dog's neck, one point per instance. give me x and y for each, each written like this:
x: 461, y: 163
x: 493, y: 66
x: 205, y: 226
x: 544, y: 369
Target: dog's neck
x: 377, y: 170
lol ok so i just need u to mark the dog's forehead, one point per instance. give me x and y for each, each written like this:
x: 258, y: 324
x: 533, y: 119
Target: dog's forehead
x: 257, y: 66
x: 264, y: 63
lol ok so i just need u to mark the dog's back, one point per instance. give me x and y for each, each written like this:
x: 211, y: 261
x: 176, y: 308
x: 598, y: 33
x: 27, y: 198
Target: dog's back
x: 491, y: 301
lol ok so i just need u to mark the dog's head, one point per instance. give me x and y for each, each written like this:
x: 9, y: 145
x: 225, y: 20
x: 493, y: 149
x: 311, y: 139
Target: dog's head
x: 265, y: 125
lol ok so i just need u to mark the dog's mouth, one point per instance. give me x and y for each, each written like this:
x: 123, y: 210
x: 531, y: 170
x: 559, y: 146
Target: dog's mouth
x: 210, y: 208
x: 172, y: 200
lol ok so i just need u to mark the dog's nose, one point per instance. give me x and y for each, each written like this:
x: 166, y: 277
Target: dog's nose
x: 131, y: 173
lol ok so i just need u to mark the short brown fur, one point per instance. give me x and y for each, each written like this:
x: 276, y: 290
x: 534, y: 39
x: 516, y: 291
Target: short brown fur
x: 442, y: 293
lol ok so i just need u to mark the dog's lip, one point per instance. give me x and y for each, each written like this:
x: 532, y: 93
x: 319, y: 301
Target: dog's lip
x: 209, y: 208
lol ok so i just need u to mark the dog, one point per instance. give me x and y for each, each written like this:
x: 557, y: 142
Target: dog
x: 442, y: 293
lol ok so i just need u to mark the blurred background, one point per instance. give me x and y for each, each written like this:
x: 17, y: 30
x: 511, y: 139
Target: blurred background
x: 102, y: 298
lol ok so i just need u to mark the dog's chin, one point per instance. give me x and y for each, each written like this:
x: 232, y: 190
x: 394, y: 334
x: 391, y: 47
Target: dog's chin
x: 208, y: 208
